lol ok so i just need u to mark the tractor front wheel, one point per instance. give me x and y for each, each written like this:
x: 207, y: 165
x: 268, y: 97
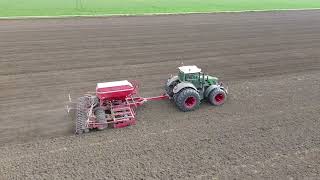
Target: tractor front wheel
x: 217, y: 97
x: 187, y: 99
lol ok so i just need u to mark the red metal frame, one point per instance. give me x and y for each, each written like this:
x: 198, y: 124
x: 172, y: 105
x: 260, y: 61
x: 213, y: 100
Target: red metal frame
x: 120, y: 112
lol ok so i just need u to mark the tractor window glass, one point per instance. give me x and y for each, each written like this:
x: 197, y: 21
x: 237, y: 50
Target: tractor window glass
x: 191, y: 77
x: 181, y: 76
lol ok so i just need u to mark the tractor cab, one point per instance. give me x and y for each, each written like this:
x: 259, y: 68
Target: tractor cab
x: 194, y: 75
x: 191, y: 74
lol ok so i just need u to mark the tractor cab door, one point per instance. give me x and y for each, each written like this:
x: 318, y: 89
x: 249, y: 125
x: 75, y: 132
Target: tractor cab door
x: 194, y: 78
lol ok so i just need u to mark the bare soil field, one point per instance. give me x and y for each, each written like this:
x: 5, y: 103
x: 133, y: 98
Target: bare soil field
x: 269, y: 127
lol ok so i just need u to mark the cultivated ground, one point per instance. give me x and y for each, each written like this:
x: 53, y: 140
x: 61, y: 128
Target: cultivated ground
x: 269, y: 128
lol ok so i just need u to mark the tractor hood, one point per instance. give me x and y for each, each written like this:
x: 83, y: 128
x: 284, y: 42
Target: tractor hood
x: 211, y: 79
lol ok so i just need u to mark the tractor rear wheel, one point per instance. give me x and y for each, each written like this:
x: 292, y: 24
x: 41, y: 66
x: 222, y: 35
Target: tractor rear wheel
x: 82, y: 115
x: 169, y: 89
x: 101, y: 117
x: 217, y: 97
x: 187, y: 100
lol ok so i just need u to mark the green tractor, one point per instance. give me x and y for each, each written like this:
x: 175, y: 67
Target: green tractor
x: 191, y: 86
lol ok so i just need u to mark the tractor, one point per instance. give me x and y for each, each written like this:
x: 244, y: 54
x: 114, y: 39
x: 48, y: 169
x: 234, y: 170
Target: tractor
x: 191, y: 86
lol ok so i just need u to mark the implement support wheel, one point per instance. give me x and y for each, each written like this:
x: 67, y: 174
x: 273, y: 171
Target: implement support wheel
x: 101, y: 117
x: 82, y: 115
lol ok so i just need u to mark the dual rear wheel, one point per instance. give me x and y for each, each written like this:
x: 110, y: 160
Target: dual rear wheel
x: 217, y: 97
x: 187, y: 99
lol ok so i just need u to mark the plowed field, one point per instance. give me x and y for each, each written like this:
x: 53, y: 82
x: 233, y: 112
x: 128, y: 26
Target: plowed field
x: 269, y: 127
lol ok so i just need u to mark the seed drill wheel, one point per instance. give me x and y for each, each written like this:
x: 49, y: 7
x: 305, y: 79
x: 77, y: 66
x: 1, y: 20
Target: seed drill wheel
x: 187, y: 99
x: 217, y: 97
x: 101, y: 117
x: 82, y: 114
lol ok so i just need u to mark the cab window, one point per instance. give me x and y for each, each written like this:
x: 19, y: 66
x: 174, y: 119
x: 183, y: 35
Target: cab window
x: 191, y: 76
x: 181, y: 76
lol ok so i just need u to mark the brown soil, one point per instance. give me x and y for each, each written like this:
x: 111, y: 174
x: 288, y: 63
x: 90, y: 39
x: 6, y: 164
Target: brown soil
x: 269, y: 127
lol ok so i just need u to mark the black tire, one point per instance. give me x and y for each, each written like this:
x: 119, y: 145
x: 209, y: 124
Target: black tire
x: 217, y: 97
x: 81, y: 115
x: 175, y: 96
x: 185, y: 95
x: 101, y: 117
x: 169, y: 89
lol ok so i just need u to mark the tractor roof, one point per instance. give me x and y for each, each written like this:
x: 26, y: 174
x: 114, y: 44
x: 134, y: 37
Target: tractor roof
x: 189, y: 69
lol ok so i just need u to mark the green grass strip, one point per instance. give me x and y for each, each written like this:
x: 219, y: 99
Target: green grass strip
x: 16, y: 8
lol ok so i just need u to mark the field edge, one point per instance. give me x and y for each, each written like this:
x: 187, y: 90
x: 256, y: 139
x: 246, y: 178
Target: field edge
x: 149, y: 14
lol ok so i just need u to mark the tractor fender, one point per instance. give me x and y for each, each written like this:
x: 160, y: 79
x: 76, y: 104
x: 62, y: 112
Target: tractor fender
x: 183, y: 85
x: 211, y: 88
x: 171, y: 80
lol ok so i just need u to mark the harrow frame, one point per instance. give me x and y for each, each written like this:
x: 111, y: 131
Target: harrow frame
x: 119, y: 112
